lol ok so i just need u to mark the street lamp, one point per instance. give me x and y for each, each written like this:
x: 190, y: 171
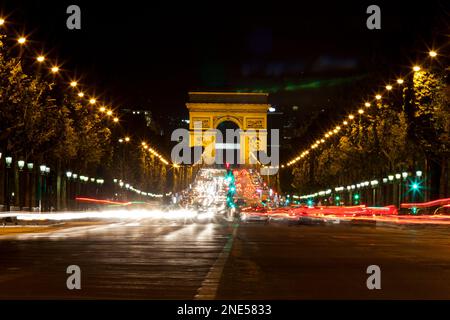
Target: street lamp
x: 419, y: 173
x: 68, y: 175
x: 8, y: 161
x: 404, y: 175
x: 21, y: 164
x: 42, y: 168
x: 21, y: 193
x: 30, y: 167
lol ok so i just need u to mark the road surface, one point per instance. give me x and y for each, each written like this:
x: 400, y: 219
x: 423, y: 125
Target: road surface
x: 160, y: 259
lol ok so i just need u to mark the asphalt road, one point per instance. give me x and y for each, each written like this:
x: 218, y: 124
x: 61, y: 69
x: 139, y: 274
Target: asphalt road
x: 151, y: 259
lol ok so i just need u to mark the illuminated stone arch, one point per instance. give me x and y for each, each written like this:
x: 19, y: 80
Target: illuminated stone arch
x: 207, y: 110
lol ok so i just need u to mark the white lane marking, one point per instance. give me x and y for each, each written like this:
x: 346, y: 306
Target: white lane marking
x: 210, y: 284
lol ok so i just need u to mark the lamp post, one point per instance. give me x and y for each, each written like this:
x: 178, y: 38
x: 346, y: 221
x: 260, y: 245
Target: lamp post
x: 30, y: 166
x: 391, y: 185
x: 75, y: 187
x: 68, y: 197
x: 121, y: 184
x: 399, y: 187
x: 404, y: 186
x: 20, y: 193
x: 42, y: 168
x: 8, y: 161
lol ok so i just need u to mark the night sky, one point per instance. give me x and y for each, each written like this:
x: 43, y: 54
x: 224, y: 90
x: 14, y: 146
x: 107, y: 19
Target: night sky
x: 149, y: 54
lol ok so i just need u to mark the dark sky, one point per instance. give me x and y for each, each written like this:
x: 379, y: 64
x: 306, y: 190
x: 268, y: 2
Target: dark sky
x: 149, y: 54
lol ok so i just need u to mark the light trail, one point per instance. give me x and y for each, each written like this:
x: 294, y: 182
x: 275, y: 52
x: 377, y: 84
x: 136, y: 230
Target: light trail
x: 110, y: 214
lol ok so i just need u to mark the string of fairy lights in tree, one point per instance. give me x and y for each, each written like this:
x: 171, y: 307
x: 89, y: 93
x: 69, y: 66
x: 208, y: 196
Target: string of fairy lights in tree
x: 367, y: 104
x: 74, y: 84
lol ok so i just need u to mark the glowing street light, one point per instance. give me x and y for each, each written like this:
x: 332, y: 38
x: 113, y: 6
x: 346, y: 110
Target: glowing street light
x: 54, y: 69
x: 40, y: 59
x: 92, y: 101
x: 81, y: 94
x: 102, y: 109
x: 116, y: 119
x: 22, y: 40
x: 432, y: 54
x: 360, y: 111
x: 127, y: 139
x: 416, y: 68
x: 351, y: 117
x: 21, y: 164
x: 378, y: 97
x: 367, y: 104
x: 109, y: 113
x: 388, y: 87
x: 400, y: 81
x: 73, y: 84
x: 2, y: 21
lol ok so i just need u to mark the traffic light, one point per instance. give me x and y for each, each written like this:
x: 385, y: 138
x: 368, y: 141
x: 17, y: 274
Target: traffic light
x: 229, y: 177
x: 356, y: 198
x: 337, y: 200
